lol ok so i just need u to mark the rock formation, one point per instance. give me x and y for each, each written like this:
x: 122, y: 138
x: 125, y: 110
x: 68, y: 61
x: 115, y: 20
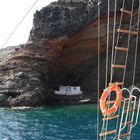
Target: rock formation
x: 61, y: 50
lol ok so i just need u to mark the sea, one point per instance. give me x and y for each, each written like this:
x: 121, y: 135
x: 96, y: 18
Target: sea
x: 77, y: 122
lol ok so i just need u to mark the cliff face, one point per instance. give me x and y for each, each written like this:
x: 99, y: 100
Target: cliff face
x: 62, y: 50
x: 66, y: 17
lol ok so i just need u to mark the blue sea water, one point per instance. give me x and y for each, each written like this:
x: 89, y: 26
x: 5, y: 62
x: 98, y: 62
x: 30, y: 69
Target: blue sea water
x: 53, y: 123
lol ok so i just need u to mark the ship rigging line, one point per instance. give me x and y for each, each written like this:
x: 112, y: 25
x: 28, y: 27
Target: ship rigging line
x: 136, y: 49
x: 98, y: 96
x: 128, y: 42
x: 107, y: 50
x: 114, y: 58
x: 117, y: 40
x: 16, y: 27
x: 113, y: 44
x: 114, y: 32
x: 105, y: 124
x: 107, y: 55
x: 104, y: 128
x: 126, y: 58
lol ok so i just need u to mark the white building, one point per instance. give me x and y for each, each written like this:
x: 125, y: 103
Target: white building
x: 69, y: 90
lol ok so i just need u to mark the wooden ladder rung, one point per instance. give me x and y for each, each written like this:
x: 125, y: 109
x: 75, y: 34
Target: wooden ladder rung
x: 107, y: 133
x: 127, y: 99
x: 121, y: 49
x: 127, y: 31
x: 124, y: 135
x: 111, y: 118
x: 119, y: 83
x: 128, y: 123
x: 130, y: 110
x: 119, y: 66
x: 113, y: 101
x: 126, y: 11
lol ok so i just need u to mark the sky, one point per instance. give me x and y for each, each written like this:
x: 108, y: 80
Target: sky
x: 11, y: 13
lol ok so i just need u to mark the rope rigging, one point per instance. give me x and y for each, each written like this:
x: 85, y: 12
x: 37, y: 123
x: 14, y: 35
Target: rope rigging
x: 17, y: 26
x: 124, y: 119
x: 117, y: 42
x: 136, y: 49
x: 128, y: 42
x: 98, y: 108
x: 107, y: 50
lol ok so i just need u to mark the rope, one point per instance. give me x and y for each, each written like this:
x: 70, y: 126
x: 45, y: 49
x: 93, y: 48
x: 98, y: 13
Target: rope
x: 113, y: 57
x: 99, y: 43
x: 117, y: 42
x: 105, y: 123
x: 114, y: 43
x: 128, y: 45
x: 108, y: 27
x: 118, y: 36
x: 114, y: 31
x: 128, y: 42
x: 136, y: 50
x: 16, y: 27
x: 114, y: 61
x: 106, y: 82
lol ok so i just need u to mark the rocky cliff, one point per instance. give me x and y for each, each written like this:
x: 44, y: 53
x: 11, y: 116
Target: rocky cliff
x: 61, y: 50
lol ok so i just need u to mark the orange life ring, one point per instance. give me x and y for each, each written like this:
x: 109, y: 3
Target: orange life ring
x: 103, y: 106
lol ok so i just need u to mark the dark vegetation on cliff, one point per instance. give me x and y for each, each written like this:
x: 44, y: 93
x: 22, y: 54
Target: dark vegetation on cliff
x: 62, y: 50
